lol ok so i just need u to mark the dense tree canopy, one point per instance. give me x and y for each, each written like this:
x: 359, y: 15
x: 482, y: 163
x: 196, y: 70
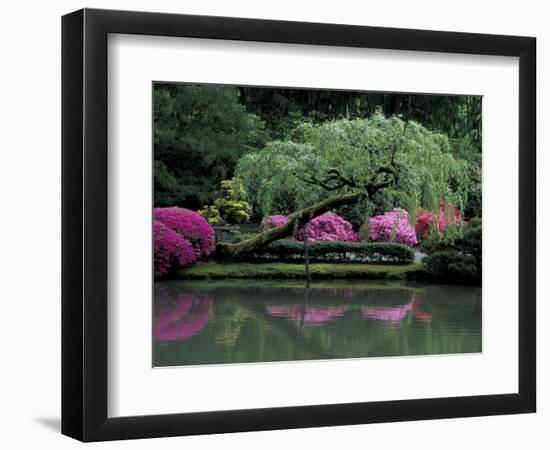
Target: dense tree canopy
x: 199, y: 134
x: 348, y: 162
x: 459, y: 117
x: 201, y: 131
x: 340, y: 156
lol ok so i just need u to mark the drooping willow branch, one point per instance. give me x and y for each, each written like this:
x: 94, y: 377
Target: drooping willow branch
x: 334, y: 180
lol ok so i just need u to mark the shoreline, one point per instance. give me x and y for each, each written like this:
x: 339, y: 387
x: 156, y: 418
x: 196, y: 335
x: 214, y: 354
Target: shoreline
x: 318, y: 271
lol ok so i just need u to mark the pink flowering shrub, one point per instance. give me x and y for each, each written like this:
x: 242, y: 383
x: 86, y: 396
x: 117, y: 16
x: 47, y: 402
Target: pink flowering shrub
x: 189, y: 225
x: 328, y: 227
x: 169, y: 249
x: 274, y: 221
x: 426, y: 221
x: 392, y: 226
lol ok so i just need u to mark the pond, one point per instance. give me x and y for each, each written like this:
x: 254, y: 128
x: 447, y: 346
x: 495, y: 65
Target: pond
x: 246, y: 321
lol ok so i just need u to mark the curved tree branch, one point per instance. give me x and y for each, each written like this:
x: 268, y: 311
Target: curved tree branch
x: 334, y: 180
x: 296, y: 221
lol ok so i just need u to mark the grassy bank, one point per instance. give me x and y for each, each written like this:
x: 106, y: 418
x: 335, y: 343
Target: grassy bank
x: 213, y: 270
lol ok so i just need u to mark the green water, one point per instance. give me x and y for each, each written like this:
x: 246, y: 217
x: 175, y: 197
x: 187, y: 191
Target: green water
x: 259, y: 321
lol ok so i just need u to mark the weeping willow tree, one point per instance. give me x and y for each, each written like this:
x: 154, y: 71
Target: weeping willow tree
x: 348, y: 162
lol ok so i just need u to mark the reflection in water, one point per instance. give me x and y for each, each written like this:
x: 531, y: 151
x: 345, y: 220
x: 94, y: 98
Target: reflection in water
x: 181, y: 317
x: 312, y: 315
x: 234, y: 317
x: 397, y: 314
x: 233, y: 322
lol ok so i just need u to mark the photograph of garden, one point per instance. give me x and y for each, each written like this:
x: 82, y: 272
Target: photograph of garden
x: 307, y: 224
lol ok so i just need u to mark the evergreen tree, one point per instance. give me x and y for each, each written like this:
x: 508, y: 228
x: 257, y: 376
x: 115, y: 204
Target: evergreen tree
x: 200, y: 132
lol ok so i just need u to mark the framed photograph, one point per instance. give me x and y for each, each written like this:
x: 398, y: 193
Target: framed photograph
x: 273, y: 224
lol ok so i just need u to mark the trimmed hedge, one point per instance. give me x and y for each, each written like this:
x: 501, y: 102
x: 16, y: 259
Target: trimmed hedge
x: 287, y: 250
x: 294, y: 271
x: 452, y: 266
x: 458, y: 261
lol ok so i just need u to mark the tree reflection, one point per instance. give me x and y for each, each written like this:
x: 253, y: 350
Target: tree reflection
x: 311, y: 315
x: 306, y: 314
x: 215, y: 323
x: 232, y: 317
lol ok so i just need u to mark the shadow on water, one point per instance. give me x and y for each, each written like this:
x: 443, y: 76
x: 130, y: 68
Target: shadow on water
x: 259, y: 321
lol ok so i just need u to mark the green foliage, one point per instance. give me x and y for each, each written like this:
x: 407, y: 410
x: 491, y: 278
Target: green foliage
x: 199, y: 134
x: 336, y: 251
x: 277, y: 176
x: 464, y: 238
x: 231, y: 207
x: 464, y: 148
x: 212, y: 214
x: 456, y: 260
x: 452, y: 266
x: 272, y: 179
x: 459, y: 117
x: 443, y: 240
x: 473, y: 205
x: 232, y: 204
x: 471, y: 242
x: 357, y: 214
x: 279, y: 270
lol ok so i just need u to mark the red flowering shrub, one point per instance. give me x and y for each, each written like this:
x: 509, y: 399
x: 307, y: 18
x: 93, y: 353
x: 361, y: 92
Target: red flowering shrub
x: 328, y: 227
x: 426, y: 221
x: 424, y: 224
x: 392, y: 226
x: 189, y: 225
x: 170, y: 249
x: 448, y: 215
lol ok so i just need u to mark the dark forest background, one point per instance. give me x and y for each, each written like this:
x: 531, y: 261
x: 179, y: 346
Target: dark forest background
x: 201, y: 131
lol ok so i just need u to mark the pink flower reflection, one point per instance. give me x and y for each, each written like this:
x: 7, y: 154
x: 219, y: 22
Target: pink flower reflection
x: 311, y: 315
x: 397, y: 314
x: 181, y: 318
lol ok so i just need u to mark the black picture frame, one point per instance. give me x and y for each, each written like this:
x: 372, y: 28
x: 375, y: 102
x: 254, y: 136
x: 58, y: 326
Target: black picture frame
x: 84, y: 224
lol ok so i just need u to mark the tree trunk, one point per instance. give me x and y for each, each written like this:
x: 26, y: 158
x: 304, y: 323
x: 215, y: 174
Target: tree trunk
x: 296, y: 221
x: 306, y: 257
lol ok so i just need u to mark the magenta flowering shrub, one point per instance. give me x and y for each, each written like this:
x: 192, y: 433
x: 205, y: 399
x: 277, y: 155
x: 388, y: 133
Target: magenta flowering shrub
x: 189, y: 225
x: 274, y: 221
x: 170, y: 249
x: 392, y: 226
x: 328, y: 227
